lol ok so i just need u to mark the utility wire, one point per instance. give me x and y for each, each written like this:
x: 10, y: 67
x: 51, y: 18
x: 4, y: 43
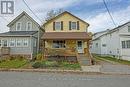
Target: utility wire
x: 109, y: 13
x: 31, y: 10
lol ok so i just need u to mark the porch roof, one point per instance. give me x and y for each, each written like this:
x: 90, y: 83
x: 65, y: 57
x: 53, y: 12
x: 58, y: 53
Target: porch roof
x: 66, y: 36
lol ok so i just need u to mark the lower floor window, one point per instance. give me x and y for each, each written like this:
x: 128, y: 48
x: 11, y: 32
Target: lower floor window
x: 25, y: 42
x: 59, y: 44
x: 5, y: 43
x: 126, y: 44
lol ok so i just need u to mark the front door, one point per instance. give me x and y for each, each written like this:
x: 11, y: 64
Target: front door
x: 80, y: 46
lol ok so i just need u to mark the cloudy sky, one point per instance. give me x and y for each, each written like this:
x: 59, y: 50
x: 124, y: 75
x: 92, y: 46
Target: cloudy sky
x: 92, y: 11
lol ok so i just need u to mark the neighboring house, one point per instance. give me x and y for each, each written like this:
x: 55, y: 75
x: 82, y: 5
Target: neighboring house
x: 115, y: 42
x: 23, y: 37
x: 66, y: 31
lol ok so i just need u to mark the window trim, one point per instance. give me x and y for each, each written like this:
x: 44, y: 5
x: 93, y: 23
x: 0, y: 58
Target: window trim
x: 27, y: 26
x: 20, y: 26
x: 12, y: 39
x: 17, y: 42
x: 3, y: 42
x: 60, y: 26
x: 71, y: 25
x: 25, y: 40
x: 58, y: 44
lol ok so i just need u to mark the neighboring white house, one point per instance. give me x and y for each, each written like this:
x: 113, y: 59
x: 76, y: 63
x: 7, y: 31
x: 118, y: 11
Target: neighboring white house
x: 115, y: 42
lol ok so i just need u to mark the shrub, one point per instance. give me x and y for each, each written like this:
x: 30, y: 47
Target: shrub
x: 39, y: 57
x: 37, y: 65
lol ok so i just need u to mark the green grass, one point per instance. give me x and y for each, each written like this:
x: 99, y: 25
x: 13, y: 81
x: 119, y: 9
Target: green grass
x: 12, y: 63
x: 56, y: 65
x: 112, y: 59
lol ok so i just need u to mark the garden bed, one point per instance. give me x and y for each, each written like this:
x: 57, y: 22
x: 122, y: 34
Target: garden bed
x: 56, y: 65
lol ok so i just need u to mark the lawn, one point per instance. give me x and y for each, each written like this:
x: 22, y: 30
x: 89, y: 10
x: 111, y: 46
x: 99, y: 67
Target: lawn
x: 56, y: 65
x: 112, y: 59
x: 16, y: 63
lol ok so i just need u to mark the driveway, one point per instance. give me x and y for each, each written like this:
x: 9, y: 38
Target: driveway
x: 114, y: 67
x: 35, y: 79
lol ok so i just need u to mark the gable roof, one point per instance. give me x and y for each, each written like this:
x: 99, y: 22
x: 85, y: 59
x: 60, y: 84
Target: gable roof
x: 112, y: 30
x: 63, y: 14
x: 19, y: 16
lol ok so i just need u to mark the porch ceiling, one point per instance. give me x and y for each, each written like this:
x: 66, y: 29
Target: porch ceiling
x: 66, y: 36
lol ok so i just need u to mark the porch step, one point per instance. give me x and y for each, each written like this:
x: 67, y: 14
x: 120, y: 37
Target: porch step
x: 83, y: 60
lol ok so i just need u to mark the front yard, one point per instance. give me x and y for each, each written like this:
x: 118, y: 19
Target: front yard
x: 111, y: 59
x: 16, y: 63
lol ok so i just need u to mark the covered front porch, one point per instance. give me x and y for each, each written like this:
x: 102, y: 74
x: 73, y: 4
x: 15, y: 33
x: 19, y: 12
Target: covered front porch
x: 65, y: 47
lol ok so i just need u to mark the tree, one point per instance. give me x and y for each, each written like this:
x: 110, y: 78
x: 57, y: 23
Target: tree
x: 52, y: 13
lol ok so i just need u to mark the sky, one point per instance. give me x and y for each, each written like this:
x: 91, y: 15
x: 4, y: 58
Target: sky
x: 91, y: 11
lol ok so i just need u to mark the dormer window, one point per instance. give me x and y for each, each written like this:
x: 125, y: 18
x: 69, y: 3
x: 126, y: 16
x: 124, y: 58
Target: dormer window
x: 128, y: 28
x: 18, y: 26
x: 29, y: 26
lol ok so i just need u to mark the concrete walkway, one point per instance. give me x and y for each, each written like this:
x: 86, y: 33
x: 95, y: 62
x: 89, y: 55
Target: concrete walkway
x: 85, y: 64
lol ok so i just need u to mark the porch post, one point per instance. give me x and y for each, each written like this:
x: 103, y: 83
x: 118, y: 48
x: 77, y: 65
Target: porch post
x: 89, y: 55
x: 43, y: 49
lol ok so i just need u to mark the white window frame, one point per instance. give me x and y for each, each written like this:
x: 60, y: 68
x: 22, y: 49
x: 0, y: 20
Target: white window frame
x: 25, y: 40
x: 27, y: 26
x: 12, y: 40
x: 57, y: 29
x: 19, y: 40
x: 75, y: 27
x: 17, y: 25
x: 3, y: 43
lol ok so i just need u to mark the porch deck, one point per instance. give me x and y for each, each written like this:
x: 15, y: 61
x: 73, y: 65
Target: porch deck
x: 61, y: 55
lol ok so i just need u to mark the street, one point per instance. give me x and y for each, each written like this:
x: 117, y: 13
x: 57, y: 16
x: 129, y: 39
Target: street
x: 35, y: 79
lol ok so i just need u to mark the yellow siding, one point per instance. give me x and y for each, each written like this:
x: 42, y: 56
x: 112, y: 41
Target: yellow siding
x: 66, y: 18
x: 69, y: 44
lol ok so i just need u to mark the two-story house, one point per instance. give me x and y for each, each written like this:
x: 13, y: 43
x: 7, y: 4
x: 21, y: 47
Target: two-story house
x: 115, y: 42
x: 23, y: 37
x: 66, y: 31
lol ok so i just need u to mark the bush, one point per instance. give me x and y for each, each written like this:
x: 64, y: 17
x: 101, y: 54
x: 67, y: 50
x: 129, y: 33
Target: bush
x: 37, y: 65
x: 39, y: 57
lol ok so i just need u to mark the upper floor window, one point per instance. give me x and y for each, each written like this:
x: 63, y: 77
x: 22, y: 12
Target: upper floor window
x: 12, y: 43
x: 29, y: 26
x: 128, y: 28
x: 18, y: 26
x: 58, y: 25
x: 73, y: 25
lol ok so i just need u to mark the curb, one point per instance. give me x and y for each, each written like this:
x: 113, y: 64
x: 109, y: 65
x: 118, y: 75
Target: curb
x: 60, y: 71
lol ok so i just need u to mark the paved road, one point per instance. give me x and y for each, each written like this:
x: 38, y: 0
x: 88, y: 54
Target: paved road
x: 30, y: 79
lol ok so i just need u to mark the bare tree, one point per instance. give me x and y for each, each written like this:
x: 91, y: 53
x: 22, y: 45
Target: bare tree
x: 52, y: 13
